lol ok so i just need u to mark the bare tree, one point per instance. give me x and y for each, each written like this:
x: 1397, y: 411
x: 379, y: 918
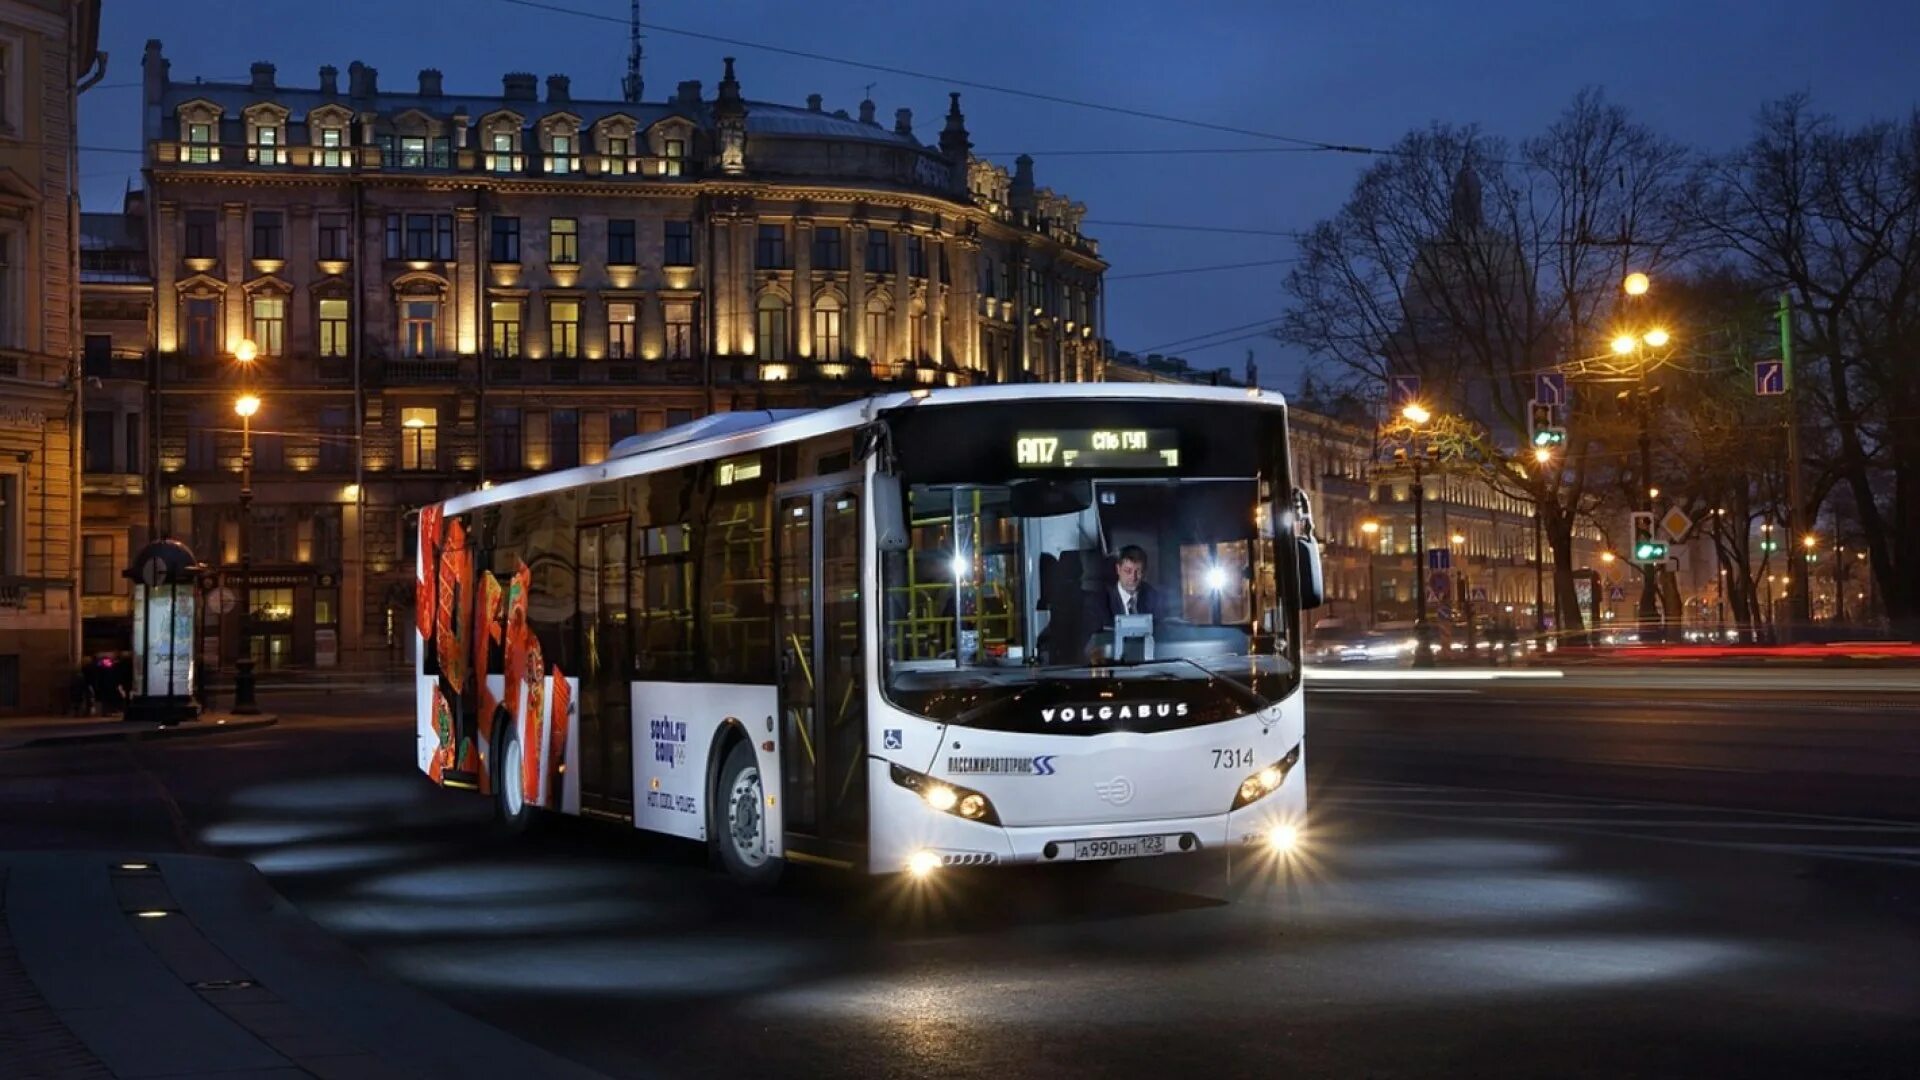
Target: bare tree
x: 1832, y: 216
x: 1477, y: 268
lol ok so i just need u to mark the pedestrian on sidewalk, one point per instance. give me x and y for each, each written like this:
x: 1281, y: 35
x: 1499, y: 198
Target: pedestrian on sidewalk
x: 80, y: 690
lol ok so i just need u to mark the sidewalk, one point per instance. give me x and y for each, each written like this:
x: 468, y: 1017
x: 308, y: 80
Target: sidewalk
x: 183, y: 965
x: 63, y: 730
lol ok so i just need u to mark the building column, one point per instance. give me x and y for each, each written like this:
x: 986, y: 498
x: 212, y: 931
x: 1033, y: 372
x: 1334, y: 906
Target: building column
x: 743, y: 290
x: 964, y: 301
x: 936, y: 300
x: 862, y: 349
x: 166, y: 266
x: 298, y: 274
x: 718, y: 303
x: 902, y: 299
x: 468, y: 319
x: 1023, y: 300
x: 803, y: 287
x: 234, y: 271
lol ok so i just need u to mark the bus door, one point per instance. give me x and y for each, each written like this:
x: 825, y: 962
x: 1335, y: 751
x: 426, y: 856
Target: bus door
x: 606, y: 697
x: 822, y: 694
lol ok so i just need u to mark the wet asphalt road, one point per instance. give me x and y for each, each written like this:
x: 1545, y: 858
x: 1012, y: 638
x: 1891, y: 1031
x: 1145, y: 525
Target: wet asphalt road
x: 1509, y: 880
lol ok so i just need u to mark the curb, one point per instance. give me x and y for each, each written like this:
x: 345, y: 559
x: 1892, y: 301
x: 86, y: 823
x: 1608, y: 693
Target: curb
x: 188, y: 730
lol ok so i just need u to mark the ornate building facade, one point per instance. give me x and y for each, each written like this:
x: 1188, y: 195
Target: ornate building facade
x: 446, y: 290
x: 48, y: 54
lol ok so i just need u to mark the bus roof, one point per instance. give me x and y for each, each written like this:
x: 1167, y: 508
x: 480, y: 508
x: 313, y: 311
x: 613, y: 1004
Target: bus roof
x: 722, y: 434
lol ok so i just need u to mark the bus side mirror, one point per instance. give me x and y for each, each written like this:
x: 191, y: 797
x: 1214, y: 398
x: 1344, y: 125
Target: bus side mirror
x: 889, y: 513
x: 1313, y: 586
x: 1313, y: 590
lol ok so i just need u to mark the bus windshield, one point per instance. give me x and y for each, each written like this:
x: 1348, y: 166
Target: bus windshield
x: 1078, y: 601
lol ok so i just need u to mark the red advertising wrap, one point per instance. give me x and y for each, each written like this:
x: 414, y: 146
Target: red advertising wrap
x: 557, y: 755
x: 423, y: 601
x: 456, y: 564
x: 533, y: 724
x: 487, y: 602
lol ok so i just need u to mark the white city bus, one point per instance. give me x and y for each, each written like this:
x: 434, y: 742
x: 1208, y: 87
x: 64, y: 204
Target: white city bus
x: 886, y: 635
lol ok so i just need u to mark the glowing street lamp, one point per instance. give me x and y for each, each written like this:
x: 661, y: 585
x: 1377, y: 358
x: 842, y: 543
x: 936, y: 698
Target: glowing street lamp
x: 1607, y: 557
x: 246, y: 406
x: 1543, y: 454
x: 1636, y: 284
x: 246, y: 352
x: 1415, y: 413
x: 1657, y: 338
x: 1625, y: 344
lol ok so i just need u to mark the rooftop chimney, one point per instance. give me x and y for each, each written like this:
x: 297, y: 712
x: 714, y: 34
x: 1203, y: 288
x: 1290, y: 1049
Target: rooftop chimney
x: 429, y: 82
x: 262, y: 77
x: 519, y: 86
x: 329, y: 80
x: 903, y: 121
x: 559, y: 88
x: 1021, y: 192
x: 866, y: 111
x: 689, y: 92
x: 362, y: 81
x: 813, y: 102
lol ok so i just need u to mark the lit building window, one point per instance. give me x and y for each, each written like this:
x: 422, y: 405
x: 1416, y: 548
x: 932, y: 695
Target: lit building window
x: 199, y: 148
x: 616, y: 157
x: 673, y: 161
x: 420, y: 329
x: 826, y: 330
x: 560, y: 160
x: 333, y: 328
x: 333, y: 152
x: 620, y: 330
x: 503, y: 333
x: 770, y: 337
x: 563, y: 328
x: 266, y: 148
x: 501, y: 157
x: 419, y: 437
x: 413, y: 152
x: 564, y: 241
x: 679, y: 317
x: 879, y: 347
x: 270, y: 324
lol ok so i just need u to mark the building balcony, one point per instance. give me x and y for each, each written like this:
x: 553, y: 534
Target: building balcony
x: 115, y: 367
x: 420, y: 370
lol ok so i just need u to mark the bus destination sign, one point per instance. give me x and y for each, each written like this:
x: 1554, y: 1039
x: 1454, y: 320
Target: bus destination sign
x: 1098, y: 448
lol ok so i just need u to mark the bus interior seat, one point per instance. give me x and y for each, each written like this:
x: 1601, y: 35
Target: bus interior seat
x: 1062, y: 596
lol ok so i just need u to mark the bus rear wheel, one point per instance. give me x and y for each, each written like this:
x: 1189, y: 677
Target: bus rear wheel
x: 739, y: 816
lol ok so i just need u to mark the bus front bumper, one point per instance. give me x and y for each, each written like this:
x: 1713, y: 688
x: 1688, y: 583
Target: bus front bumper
x: 909, y: 835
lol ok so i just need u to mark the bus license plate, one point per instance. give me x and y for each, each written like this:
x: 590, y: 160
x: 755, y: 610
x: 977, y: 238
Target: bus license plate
x: 1120, y: 847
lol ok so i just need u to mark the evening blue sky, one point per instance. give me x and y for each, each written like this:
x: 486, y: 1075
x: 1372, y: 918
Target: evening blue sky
x: 1351, y: 73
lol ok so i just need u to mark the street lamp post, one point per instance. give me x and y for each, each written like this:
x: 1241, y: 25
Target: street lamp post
x: 245, y: 406
x: 1542, y: 457
x: 1416, y: 415
x: 1371, y: 529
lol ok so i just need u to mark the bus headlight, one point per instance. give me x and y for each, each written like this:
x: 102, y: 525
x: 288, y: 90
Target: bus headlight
x: 1266, y: 781
x: 946, y: 798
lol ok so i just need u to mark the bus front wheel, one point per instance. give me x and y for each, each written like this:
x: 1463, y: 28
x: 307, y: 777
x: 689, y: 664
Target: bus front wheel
x: 740, y: 820
x: 510, y: 809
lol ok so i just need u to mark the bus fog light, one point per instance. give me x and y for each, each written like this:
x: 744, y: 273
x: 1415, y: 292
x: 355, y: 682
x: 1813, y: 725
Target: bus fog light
x: 941, y: 797
x: 1283, y: 839
x: 922, y: 863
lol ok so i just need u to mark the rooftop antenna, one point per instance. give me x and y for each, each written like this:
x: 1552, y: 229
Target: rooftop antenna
x: 631, y: 85
x: 870, y: 87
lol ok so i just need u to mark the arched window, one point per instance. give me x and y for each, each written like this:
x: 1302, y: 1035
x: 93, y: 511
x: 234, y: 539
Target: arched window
x: 770, y: 328
x: 828, y: 344
x: 879, y: 345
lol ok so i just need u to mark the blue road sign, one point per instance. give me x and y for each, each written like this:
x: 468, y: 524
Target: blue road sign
x: 1403, y: 389
x: 1769, y: 377
x: 1550, y: 388
x: 1439, y: 558
x: 1615, y: 593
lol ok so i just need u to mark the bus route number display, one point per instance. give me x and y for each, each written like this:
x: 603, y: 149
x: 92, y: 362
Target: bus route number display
x: 1098, y: 448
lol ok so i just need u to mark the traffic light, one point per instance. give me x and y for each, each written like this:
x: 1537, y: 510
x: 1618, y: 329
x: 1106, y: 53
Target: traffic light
x: 1540, y: 423
x: 1646, y: 547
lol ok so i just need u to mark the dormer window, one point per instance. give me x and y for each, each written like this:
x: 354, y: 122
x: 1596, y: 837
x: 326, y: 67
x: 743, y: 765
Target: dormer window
x: 198, y: 148
x: 501, y: 157
x: 333, y: 143
x: 265, y: 148
x: 560, y: 160
x: 618, y: 150
x: 673, y: 157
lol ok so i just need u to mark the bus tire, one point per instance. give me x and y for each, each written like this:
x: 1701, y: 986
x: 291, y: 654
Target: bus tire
x: 510, y: 810
x: 739, y: 817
